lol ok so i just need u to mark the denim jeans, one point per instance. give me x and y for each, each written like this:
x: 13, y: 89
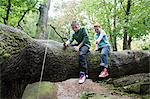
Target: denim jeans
x: 82, y: 58
x: 104, y: 56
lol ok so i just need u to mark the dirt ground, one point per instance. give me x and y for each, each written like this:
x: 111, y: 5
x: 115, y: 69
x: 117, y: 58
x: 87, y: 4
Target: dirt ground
x: 70, y: 89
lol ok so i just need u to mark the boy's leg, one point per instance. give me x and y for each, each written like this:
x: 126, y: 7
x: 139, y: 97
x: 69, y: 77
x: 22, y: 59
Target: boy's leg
x: 101, y: 58
x: 104, y: 57
x: 83, y: 62
x: 82, y: 58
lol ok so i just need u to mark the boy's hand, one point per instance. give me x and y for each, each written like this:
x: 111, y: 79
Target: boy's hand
x: 97, y: 48
x: 97, y: 41
x: 64, y: 46
x: 76, y: 48
x: 67, y: 43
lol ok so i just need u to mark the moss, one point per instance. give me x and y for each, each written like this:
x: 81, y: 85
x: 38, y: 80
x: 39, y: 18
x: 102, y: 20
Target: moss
x: 6, y: 55
x: 87, y: 95
x: 43, y: 90
x: 12, y: 43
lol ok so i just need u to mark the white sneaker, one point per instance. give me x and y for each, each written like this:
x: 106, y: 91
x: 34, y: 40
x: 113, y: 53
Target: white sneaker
x: 102, y: 64
x: 87, y: 76
x: 82, y: 78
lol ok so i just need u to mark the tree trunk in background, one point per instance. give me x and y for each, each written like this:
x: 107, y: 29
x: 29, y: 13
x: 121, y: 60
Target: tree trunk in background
x: 114, y: 29
x: 129, y: 42
x: 109, y: 25
x: 21, y: 60
x: 41, y: 32
x: 125, y: 37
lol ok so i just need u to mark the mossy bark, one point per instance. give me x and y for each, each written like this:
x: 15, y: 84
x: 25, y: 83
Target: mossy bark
x: 137, y: 83
x: 23, y: 61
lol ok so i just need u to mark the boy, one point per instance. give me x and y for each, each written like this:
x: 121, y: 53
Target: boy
x: 82, y: 46
x: 103, y: 45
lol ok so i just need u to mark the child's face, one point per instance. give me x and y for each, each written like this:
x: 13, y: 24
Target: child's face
x: 97, y: 29
x: 75, y: 27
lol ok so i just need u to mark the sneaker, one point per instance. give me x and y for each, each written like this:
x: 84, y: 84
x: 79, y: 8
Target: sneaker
x: 104, y: 73
x: 82, y: 78
x: 87, y: 76
x: 102, y: 64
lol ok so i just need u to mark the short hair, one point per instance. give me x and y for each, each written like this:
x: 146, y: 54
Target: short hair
x: 97, y: 24
x: 75, y: 22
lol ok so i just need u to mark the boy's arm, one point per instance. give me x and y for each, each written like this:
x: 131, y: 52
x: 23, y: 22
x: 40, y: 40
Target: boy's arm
x: 96, y: 45
x: 96, y: 49
x: 100, y: 37
x: 78, y: 47
x: 69, y: 41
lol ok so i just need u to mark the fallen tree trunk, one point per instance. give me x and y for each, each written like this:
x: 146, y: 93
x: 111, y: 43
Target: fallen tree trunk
x: 21, y: 60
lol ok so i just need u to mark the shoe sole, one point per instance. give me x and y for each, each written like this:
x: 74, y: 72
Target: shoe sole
x: 103, y: 76
x: 82, y: 82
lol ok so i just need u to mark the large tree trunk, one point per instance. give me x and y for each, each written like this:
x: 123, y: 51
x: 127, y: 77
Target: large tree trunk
x: 41, y: 32
x: 21, y: 60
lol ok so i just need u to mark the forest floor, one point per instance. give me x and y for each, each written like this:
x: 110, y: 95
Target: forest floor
x: 70, y: 89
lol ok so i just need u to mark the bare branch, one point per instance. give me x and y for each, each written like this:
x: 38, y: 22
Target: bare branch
x: 7, y: 12
x: 25, y: 13
x: 123, y: 6
x: 57, y: 33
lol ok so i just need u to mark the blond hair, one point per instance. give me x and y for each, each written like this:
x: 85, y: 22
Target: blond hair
x: 97, y: 24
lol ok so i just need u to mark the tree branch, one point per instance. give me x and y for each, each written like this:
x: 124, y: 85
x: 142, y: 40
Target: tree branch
x: 57, y: 33
x: 123, y: 7
x: 7, y: 12
x: 3, y: 19
x: 25, y: 13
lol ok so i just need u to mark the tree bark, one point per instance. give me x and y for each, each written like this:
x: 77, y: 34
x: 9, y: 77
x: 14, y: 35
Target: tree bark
x: 41, y: 32
x: 129, y: 42
x: 18, y: 68
x: 125, y: 37
x: 114, y: 28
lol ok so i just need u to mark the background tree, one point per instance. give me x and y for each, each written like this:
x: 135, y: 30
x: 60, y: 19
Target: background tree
x: 12, y: 12
x: 41, y: 32
x: 111, y: 14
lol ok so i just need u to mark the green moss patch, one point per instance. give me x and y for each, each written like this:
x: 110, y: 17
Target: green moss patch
x: 43, y: 90
x: 11, y: 42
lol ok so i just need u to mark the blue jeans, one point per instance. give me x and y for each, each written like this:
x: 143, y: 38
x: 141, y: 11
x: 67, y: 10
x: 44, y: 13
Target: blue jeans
x: 82, y: 59
x: 104, y: 56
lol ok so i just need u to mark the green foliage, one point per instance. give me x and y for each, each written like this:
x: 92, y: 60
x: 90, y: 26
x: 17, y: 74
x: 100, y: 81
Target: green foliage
x: 146, y: 45
x: 17, y: 9
x: 29, y: 23
x: 87, y: 12
x: 104, y: 12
